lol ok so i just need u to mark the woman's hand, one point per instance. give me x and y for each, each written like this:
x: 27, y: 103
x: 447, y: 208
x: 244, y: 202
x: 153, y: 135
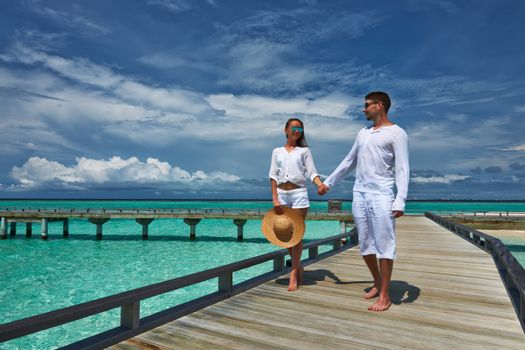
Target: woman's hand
x: 277, y: 207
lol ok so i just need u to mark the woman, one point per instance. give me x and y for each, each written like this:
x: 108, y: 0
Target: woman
x: 291, y: 165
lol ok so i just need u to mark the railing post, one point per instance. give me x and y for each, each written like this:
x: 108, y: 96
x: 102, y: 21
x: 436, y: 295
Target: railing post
x: 509, y: 280
x: 130, y: 315
x: 337, y: 244
x: 522, y: 308
x: 355, y: 237
x: 313, y: 252
x: 226, y: 282
x: 278, y: 263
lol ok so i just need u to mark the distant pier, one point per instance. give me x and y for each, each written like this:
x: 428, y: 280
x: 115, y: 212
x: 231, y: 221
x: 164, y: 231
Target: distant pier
x: 10, y: 217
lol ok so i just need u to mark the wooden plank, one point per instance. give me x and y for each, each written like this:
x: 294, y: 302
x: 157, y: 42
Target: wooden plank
x: 446, y: 293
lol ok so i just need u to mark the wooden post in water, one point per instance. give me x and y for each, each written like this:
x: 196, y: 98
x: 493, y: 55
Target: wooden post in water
x: 44, y: 229
x: 342, y: 225
x: 65, y: 228
x: 3, y: 229
x: 29, y: 229
x: 240, y: 227
x: 13, y: 228
x: 144, y: 223
x: 99, y: 222
x: 193, y: 224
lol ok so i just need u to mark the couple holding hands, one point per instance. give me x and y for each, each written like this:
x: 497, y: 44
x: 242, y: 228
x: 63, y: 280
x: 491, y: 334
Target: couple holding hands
x: 380, y: 157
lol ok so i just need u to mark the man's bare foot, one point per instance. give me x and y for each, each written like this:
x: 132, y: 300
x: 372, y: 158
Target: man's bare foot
x: 382, y: 304
x: 372, y: 293
x: 293, y: 285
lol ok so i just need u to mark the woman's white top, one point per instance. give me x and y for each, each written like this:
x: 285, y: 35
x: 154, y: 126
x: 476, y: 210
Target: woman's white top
x: 375, y: 153
x: 294, y: 166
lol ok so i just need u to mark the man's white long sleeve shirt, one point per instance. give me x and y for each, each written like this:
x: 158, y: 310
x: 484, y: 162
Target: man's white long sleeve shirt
x: 375, y: 154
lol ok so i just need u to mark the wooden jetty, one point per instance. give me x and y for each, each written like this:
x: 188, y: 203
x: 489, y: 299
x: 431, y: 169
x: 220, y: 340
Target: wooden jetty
x: 11, y: 216
x: 447, y: 293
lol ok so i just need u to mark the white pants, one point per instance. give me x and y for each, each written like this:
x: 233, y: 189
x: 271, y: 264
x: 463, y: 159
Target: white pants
x: 296, y: 198
x: 375, y: 224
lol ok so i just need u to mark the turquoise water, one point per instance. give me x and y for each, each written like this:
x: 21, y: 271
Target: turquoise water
x: 411, y: 208
x: 517, y: 247
x: 39, y: 276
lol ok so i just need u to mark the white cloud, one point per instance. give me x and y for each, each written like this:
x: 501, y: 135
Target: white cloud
x: 267, y: 51
x: 73, y: 20
x: 248, y: 106
x: 86, y: 173
x: 520, y: 108
x: 164, y: 60
x: 444, y: 179
x: 308, y: 2
x: 445, y: 135
x: 515, y: 148
x: 172, y: 5
x: 80, y: 70
x: 448, y: 6
x: 127, y: 89
x: 81, y: 91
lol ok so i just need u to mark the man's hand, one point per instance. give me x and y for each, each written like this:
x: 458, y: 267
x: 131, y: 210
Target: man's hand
x: 322, y: 189
x: 397, y: 213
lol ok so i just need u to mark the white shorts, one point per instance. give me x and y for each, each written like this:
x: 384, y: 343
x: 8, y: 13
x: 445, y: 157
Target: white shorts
x: 296, y: 198
x: 375, y: 224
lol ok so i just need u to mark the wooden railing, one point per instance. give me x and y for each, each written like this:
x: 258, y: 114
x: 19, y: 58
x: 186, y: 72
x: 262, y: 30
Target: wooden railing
x: 132, y: 324
x: 510, y: 270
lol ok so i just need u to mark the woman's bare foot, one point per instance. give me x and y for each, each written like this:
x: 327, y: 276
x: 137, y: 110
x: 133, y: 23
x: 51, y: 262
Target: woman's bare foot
x: 382, y: 304
x: 372, y: 293
x: 293, y: 285
x: 300, y: 278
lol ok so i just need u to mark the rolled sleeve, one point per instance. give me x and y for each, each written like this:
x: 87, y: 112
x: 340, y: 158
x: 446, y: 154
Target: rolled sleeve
x: 309, y: 165
x: 273, y: 174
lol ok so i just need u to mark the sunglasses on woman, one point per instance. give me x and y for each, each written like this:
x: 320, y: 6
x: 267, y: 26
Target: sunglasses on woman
x: 297, y: 128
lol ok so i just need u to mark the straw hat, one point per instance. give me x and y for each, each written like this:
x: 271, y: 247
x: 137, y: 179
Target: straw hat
x: 285, y: 230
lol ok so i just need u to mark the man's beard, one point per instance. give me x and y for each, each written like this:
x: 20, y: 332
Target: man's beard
x: 371, y: 117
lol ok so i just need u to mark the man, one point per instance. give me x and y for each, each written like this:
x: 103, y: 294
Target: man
x: 377, y: 150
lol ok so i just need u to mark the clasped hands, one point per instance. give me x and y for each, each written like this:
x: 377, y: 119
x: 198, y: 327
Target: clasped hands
x: 322, y: 189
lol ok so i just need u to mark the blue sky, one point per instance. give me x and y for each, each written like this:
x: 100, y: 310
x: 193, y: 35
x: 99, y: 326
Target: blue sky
x: 187, y: 99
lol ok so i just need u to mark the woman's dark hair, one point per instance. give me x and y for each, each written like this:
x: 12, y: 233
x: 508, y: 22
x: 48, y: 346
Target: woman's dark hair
x: 301, y: 141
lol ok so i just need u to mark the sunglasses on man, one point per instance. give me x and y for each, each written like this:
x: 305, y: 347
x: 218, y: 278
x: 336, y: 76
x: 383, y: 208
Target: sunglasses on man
x: 367, y: 104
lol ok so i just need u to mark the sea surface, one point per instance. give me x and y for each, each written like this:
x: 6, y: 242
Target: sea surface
x: 40, y: 276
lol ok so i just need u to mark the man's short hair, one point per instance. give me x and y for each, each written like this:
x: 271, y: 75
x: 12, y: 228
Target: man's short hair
x: 380, y: 96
